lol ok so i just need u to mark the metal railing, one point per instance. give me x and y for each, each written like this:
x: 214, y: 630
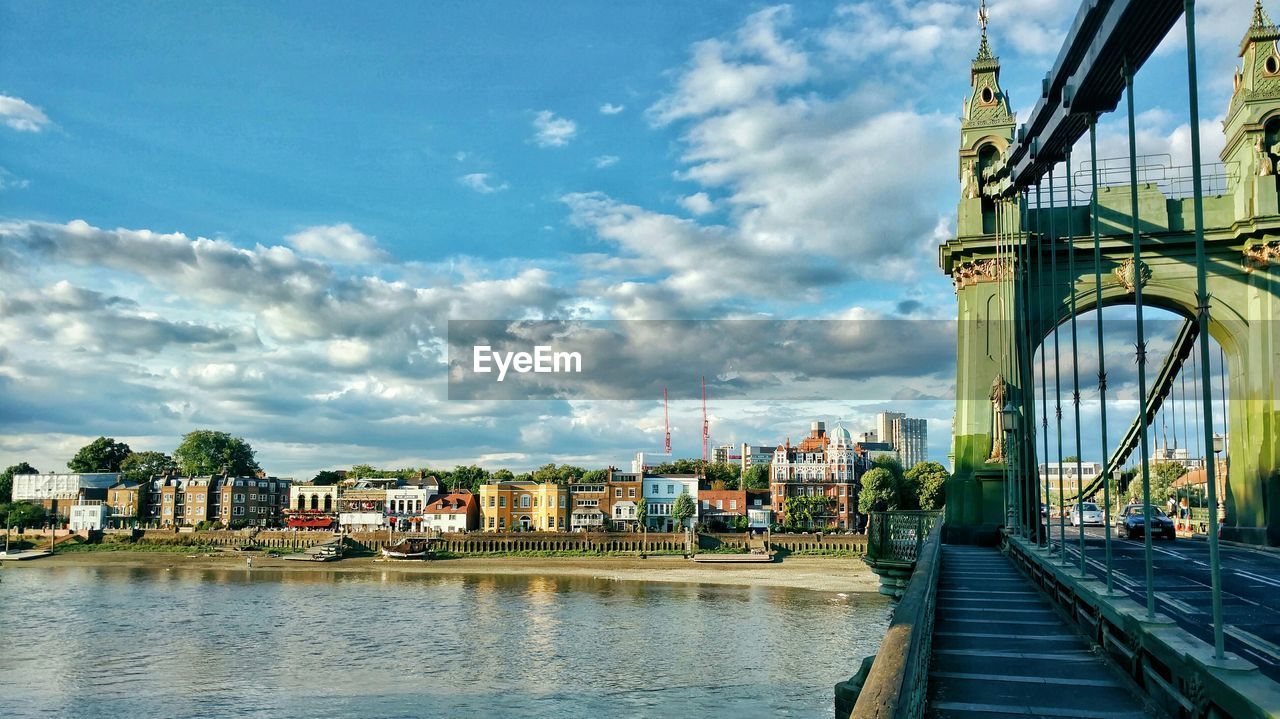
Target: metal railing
x: 897, y: 536
x: 897, y: 684
x: 1173, y: 181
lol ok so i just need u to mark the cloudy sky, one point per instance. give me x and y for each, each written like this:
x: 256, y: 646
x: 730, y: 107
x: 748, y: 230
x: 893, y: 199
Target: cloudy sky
x: 261, y: 217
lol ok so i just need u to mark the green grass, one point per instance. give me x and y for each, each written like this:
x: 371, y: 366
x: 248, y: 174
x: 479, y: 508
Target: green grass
x: 137, y: 547
x: 822, y: 553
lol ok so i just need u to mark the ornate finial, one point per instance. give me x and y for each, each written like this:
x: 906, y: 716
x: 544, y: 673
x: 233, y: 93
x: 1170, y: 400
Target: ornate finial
x: 1260, y: 18
x: 984, y: 49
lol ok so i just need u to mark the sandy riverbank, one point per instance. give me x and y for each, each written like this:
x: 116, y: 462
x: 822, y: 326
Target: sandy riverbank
x: 823, y: 574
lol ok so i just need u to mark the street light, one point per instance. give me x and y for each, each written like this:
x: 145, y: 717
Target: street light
x: 1219, y: 443
x: 1009, y: 423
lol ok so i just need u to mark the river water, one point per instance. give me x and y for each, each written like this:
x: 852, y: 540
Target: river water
x: 129, y: 642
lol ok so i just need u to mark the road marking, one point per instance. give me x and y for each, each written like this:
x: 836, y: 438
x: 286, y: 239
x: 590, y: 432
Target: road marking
x: 1256, y: 578
x: 1271, y: 649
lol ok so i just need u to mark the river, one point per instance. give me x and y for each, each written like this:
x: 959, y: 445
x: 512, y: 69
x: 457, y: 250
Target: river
x: 156, y: 642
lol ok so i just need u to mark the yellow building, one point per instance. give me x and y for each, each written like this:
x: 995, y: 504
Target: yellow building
x: 524, y: 506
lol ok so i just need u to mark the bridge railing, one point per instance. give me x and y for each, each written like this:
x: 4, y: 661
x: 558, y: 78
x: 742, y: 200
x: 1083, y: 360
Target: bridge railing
x: 897, y: 536
x: 896, y: 682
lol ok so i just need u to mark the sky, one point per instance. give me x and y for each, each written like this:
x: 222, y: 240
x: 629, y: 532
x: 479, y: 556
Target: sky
x: 262, y: 217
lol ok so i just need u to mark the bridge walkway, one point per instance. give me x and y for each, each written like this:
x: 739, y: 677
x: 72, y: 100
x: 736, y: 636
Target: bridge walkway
x: 1000, y: 650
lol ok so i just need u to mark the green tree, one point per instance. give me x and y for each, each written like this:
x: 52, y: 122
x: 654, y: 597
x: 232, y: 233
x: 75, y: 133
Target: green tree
x: 205, y: 451
x: 103, y: 454
x: 1163, y: 476
x: 22, y: 514
x: 6, y: 479
x: 757, y: 477
x: 725, y: 472
x: 642, y: 511
x: 326, y: 478
x: 503, y: 475
x: 469, y: 477
x: 595, y: 476
x: 557, y: 474
x: 142, y: 466
x: 683, y: 509
x: 804, y: 510
x: 930, y: 480
x: 879, y: 491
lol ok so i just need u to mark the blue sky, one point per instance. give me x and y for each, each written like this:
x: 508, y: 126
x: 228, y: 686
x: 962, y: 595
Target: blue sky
x: 259, y: 217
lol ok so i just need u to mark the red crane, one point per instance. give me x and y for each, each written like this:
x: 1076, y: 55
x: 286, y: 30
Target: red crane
x: 706, y: 426
x: 666, y: 420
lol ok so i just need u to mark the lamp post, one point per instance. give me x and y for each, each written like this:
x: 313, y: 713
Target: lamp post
x: 1009, y: 423
x: 1219, y: 444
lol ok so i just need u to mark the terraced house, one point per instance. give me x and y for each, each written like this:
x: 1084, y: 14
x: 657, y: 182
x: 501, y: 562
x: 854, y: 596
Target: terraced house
x: 523, y: 505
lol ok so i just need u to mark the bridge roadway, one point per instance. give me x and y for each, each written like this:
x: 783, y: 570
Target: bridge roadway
x: 1250, y: 588
x: 1000, y: 650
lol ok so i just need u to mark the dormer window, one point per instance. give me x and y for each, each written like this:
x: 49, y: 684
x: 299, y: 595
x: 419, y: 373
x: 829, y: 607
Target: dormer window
x: 986, y: 97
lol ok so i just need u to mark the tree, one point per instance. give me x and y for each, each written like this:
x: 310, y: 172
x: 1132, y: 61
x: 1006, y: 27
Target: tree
x: 468, y: 477
x: 503, y: 475
x: 683, y: 509
x: 804, y: 509
x: 642, y: 511
x: 723, y: 472
x: 595, y: 476
x: 205, y: 451
x: 757, y: 477
x: 930, y: 480
x: 326, y: 478
x: 557, y: 474
x: 22, y: 514
x: 142, y: 466
x: 6, y: 479
x: 1163, y: 476
x: 879, y: 491
x: 103, y: 454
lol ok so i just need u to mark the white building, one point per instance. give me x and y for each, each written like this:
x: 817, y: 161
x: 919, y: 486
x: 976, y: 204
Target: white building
x: 404, y: 507
x: 90, y: 515
x: 660, y: 494
x: 1177, y: 455
x: 644, y: 460
x: 457, y: 511
x: 362, y: 521
x: 908, y: 436
x: 41, y: 487
x: 624, y: 512
x: 1067, y: 470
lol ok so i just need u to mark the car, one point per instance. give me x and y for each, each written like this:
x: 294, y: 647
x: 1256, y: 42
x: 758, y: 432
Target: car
x: 1092, y: 514
x: 1129, y: 523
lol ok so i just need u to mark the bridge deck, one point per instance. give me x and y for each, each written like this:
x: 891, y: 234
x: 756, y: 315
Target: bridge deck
x: 1000, y: 650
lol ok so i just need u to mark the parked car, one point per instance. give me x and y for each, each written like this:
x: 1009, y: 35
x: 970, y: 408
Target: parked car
x: 1129, y: 523
x: 1092, y: 514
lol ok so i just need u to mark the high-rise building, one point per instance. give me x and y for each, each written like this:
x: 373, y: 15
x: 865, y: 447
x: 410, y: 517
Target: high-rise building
x: 911, y: 440
x: 753, y: 454
x: 909, y: 437
x: 722, y: 453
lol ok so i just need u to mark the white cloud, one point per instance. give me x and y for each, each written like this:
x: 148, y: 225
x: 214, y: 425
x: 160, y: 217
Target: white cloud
x: 21, y: 115
x: 553, y: 131
x: 604, y: 161
x: 480, y: 182
x: 10, y: 181
x: 729, y: 73
x: 341, y: 243
x: 611, y: 109
x: 699, y: 203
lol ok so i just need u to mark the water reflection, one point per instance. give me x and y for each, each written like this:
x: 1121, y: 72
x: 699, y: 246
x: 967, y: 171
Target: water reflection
x: 105, y: 641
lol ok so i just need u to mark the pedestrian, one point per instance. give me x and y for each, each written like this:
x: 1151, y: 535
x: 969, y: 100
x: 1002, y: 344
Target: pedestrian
x: 248, y: 562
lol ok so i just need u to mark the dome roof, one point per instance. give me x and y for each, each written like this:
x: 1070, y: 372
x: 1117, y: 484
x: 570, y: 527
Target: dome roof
x: 841, y: 436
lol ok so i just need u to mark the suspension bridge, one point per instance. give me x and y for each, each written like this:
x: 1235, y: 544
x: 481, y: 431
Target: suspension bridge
x: 1060, y: 262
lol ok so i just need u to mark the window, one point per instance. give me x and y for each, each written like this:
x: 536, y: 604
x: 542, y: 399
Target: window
x: 237, y: 511
x: 671, y: 489
x: 239, y: 498
x: 524, y: 500
x: 631, y: 492
x: 491, y: 500
x: 502, y: 501
x: 490, y: 522
x: 655, y: 489
x: 502, y: 523
x: 706, y: 504
x: 562, y: 501
x: 719, y: 504
x: 733, y: 504
x: 617, y: 492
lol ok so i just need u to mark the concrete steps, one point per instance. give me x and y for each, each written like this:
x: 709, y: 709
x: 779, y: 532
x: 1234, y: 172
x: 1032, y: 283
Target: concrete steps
x: 999, y: 650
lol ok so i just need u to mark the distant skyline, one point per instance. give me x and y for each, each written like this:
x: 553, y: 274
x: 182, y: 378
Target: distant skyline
x: 259, y: 217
